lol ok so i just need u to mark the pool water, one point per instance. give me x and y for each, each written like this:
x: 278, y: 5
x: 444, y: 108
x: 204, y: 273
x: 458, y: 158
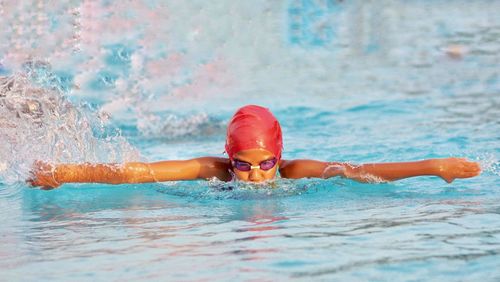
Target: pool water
x: 347, y: 92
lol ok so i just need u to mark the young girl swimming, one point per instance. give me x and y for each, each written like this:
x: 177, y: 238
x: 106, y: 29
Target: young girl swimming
x: 253, y: 145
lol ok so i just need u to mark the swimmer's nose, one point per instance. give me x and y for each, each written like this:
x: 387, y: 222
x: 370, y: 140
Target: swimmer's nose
x: 255, y: 175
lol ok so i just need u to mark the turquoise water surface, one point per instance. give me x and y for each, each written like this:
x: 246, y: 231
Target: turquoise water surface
x: 110, y: 86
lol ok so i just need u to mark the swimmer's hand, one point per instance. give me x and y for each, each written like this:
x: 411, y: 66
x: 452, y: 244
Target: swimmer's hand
x: 43, y: 175
x: 450, y: 169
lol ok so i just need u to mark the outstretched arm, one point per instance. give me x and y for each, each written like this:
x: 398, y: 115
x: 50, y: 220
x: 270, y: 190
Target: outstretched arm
x: 50, y: 176
x: 448, y: 169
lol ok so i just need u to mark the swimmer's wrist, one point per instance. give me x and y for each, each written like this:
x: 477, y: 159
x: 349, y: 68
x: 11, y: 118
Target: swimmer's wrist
x: 435, y: 167
x: 57, y: 175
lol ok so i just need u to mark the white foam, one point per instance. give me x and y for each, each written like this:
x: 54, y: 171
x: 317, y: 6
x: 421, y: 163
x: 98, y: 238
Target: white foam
x: 39, y: 123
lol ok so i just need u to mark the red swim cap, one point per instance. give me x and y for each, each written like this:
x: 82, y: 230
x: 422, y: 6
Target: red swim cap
x: 254, y: 127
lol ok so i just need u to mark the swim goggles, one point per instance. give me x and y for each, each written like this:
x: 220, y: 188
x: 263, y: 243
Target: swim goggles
x: 245, y: 166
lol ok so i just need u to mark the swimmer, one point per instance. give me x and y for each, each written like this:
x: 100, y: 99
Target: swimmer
x: 253, y: 145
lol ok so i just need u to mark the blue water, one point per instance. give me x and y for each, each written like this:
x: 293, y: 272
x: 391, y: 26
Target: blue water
x: 343, y: 93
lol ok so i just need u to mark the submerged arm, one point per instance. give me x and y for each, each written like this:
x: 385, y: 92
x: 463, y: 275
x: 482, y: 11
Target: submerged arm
x: 448, y: 169
x: 51, y: 176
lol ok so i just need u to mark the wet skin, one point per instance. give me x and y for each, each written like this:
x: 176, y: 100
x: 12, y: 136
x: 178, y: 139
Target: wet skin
x: 49, y: 176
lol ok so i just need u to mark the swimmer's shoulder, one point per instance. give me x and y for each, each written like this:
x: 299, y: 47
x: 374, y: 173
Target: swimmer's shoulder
x: 215, y: 167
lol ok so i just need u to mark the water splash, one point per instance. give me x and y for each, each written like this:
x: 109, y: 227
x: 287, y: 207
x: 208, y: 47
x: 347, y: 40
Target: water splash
x: 172, y: 126
x: 37, y: 122
x: 215, y: 189
x: 118, y: 60
x: 489, y: 163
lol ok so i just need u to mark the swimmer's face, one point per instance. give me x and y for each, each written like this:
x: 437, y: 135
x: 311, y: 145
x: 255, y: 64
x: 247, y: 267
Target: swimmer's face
x: 255, y: 157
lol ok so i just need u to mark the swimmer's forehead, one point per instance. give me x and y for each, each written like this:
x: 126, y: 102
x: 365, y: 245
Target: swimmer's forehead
x: 254, y: 155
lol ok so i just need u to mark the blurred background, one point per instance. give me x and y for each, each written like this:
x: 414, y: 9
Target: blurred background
x: 133, y: 59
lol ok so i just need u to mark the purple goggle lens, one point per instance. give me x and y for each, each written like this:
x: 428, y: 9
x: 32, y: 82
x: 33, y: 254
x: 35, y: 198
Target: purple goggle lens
x: 264, y: 165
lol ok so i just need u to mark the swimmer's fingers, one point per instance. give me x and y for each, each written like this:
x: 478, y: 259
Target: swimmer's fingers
x: 451, y: 168
x: 47, y: 188
x: 465, y: 168
x: 43, y: 176
x: 42, y: 183
x: 34, y: 184
x: 471, y: 169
